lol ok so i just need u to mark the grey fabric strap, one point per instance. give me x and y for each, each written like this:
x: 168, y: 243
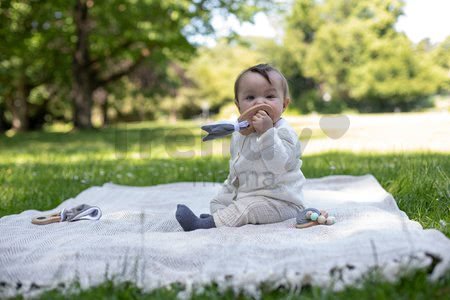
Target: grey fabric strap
x: 81, y: 212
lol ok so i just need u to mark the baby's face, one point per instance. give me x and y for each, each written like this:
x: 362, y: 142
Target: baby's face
x: 254, y: 89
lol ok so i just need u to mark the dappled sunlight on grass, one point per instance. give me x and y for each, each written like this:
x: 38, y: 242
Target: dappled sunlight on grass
x: 126, y: 141
x: 135, y: 141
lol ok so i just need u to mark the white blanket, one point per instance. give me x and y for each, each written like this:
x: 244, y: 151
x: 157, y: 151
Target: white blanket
x: 139, y: 240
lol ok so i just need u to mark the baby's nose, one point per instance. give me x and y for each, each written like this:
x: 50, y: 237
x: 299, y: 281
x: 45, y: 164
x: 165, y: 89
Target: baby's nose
x: 260, y: 100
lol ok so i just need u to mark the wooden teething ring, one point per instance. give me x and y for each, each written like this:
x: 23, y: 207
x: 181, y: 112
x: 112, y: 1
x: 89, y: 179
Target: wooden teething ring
x: 44, y: 220
x: 306, y: 225
x: 249, y: 113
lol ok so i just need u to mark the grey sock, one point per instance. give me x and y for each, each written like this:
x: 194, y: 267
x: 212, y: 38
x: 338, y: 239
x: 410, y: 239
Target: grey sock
x: 189, y: 221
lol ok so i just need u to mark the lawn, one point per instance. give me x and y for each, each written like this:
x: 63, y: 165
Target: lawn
x: 39, y: 170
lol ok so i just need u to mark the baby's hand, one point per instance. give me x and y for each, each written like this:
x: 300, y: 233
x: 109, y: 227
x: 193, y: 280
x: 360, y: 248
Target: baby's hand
x: 261, y: 122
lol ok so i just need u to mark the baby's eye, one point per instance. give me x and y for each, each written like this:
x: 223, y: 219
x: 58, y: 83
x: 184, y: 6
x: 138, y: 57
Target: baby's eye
x: 271, y: 96
x: 249, y: 98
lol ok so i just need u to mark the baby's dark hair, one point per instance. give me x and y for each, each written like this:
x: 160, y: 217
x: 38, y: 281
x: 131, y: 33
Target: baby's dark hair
x: 263, y: 70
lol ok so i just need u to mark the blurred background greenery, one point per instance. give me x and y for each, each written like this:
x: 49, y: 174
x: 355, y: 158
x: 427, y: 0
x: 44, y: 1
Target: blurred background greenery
x: 91, y: 63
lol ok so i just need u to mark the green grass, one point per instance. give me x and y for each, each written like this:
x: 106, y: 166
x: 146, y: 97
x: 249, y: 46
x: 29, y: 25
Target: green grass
x: 39, y: 170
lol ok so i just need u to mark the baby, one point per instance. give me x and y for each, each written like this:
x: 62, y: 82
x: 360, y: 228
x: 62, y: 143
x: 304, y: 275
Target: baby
x: 265, y: 182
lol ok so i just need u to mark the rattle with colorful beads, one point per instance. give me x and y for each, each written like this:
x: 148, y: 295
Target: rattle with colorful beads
x: 311, y: 217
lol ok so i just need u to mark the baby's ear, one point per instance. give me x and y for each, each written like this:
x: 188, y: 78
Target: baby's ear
x: 286, y: 102
x: 236, y: 102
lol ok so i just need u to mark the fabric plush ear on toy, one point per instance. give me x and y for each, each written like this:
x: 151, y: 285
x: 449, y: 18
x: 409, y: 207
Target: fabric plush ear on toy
x: 242, y: 125
x: 223, y: 128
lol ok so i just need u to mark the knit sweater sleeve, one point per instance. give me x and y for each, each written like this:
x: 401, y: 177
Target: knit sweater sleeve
x: 279, y: 148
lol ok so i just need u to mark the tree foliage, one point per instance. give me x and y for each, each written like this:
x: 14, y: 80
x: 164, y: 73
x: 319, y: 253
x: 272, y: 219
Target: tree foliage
x: 353, y: 53
x: 214, y: 71
x: 132, y: 60
x: 96, y: 43
x: 31, y: 53
x: 440, y: 57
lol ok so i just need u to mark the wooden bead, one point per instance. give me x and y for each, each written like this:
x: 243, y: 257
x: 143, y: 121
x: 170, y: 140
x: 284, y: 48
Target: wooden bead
x: 321, y: 219
x: 330, y: 221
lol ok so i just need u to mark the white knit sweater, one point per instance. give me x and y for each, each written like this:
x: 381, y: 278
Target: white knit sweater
x: 266, y: 165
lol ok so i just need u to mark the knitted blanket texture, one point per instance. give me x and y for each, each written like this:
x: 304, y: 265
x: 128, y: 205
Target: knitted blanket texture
x: 138, y: 239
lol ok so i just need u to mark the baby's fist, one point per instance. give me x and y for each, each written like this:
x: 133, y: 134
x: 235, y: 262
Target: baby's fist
x: 261, y: 122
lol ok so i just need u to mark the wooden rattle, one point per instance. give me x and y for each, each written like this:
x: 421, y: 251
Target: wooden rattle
x: 312, y: 217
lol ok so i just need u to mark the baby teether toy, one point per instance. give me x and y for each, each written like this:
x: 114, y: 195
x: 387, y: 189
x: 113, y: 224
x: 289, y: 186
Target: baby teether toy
x: 243, y: 124
x: 80, y: 212
x: 44, y: 220
x: 311, y: 217
x: 249, y: 113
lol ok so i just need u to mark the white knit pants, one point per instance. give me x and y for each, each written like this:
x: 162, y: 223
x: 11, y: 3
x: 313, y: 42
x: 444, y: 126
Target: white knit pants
x: 252, y: 210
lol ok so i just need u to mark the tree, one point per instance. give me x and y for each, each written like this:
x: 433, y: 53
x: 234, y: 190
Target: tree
x: 301, y: 26
x: 30, y: 56
x: 397, y: 76
x: 98, y: 42
x: 440, y: 56
x: 355, y: 56
x: 212, y: 74
x: 140, y: 30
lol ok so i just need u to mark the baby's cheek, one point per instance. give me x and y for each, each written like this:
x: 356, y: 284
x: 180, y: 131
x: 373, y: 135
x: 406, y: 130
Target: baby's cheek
x: 277, y: 114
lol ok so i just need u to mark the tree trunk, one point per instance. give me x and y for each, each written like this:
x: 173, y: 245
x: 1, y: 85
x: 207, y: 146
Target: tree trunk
x: 82, y: 87
x: 105, y: 113
x: 37, y: 115
x: 19, y: 105
x: 2, y: 123
x: 101, y: 99
x: 173, y: 115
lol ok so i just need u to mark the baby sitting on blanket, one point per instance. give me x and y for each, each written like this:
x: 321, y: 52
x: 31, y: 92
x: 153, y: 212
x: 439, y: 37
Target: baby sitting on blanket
x: 265, y: 182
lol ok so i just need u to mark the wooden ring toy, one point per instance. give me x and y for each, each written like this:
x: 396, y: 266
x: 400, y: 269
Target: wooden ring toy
x: 249, y: 113
x: 44, y: 220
